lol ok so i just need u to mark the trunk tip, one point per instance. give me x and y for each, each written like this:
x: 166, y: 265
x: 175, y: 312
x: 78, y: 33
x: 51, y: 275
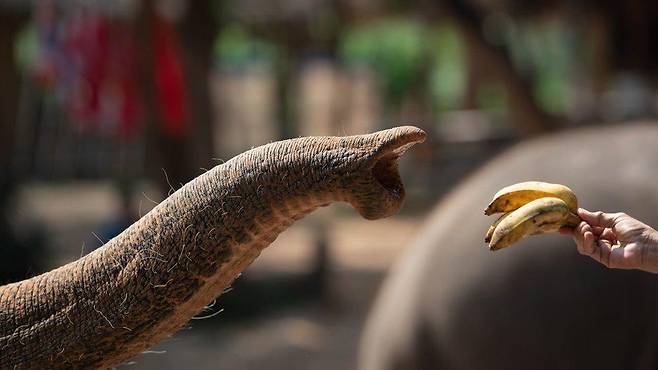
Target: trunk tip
x: 401, y: 138
x: 380, y: 193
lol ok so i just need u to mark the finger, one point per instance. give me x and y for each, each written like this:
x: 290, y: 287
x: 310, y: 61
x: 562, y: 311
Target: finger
x: 602, y: 251
x: 598, y: 218
x: 589, y: 243
x: 582, y: 227
x: 597, y: 230
x: 565, y: 230
x: 585, y: 239
x: 603, y: 233
x: 609, y: 235
x: 578, y: 235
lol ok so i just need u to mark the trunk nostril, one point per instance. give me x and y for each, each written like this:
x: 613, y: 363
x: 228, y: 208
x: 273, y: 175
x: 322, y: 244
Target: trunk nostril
x: 378, y: 192
x: 385, y: 171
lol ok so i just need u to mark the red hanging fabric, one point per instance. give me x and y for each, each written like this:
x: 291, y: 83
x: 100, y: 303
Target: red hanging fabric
x: 169, y: 82
x: 122, y: 72
x: 87, y: 46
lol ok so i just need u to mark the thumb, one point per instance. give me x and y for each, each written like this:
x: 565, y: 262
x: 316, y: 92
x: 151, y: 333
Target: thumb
x: 598, y: 218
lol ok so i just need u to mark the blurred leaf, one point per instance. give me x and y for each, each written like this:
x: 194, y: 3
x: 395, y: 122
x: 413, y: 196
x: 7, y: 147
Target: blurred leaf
x: 235, y: 48
x: 546, y: 53
x: 449, y: 74
x: 26, y: 48
x: 392, y: 48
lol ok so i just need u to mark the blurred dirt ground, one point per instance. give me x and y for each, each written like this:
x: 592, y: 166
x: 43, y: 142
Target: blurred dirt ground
x: 320, y: 332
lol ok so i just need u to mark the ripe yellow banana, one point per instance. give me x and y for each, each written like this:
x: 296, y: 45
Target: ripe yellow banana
x: 539, y: 216
x: 515, y: 196
x: 490, y: 231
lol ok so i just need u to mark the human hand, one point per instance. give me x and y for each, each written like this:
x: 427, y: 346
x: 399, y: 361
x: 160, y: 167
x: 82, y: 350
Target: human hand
x: 616, y: 240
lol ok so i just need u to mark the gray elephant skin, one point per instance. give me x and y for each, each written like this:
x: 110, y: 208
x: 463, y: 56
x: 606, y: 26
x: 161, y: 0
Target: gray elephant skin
x: 450, y: 303
x: 147, y: 282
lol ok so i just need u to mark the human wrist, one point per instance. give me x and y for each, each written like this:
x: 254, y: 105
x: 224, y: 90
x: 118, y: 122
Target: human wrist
x: 652, y: 238
x: 650, y: 253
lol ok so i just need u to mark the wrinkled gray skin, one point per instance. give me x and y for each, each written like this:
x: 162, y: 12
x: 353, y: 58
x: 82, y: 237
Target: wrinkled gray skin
x: 450, y: 303
x: 147, y: 282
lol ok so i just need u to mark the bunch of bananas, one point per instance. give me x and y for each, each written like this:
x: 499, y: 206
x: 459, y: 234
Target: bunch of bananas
x: 530, y: 208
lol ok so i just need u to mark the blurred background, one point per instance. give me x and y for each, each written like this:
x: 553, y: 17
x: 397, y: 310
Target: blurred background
x: 107, y: 107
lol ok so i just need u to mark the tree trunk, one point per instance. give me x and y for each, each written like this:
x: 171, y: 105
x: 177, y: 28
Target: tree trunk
x: 527, y: 116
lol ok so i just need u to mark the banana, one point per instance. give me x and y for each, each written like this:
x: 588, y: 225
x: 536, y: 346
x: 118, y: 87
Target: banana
x: 530, y: 208
x: 490, y: 231
x: 538, y: 216
x: 514, y: 196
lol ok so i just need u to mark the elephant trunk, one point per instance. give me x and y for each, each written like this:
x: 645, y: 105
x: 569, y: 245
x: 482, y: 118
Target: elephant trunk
x: 151, y: 279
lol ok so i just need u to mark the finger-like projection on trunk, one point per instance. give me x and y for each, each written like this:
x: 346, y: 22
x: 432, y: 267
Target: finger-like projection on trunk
x: 151, y: 279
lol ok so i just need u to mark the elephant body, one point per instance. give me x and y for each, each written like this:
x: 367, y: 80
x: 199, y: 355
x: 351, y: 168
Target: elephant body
x: 450, y: 303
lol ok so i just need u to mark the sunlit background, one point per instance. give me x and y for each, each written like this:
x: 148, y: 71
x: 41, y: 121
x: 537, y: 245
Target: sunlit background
x: 107, y: 107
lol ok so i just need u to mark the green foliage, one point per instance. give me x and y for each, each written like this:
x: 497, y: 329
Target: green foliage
x: 393, y: 48
x: 26, y: 48
x: 448, y: 77
x: 546, y: 53
x: 235, y: 48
